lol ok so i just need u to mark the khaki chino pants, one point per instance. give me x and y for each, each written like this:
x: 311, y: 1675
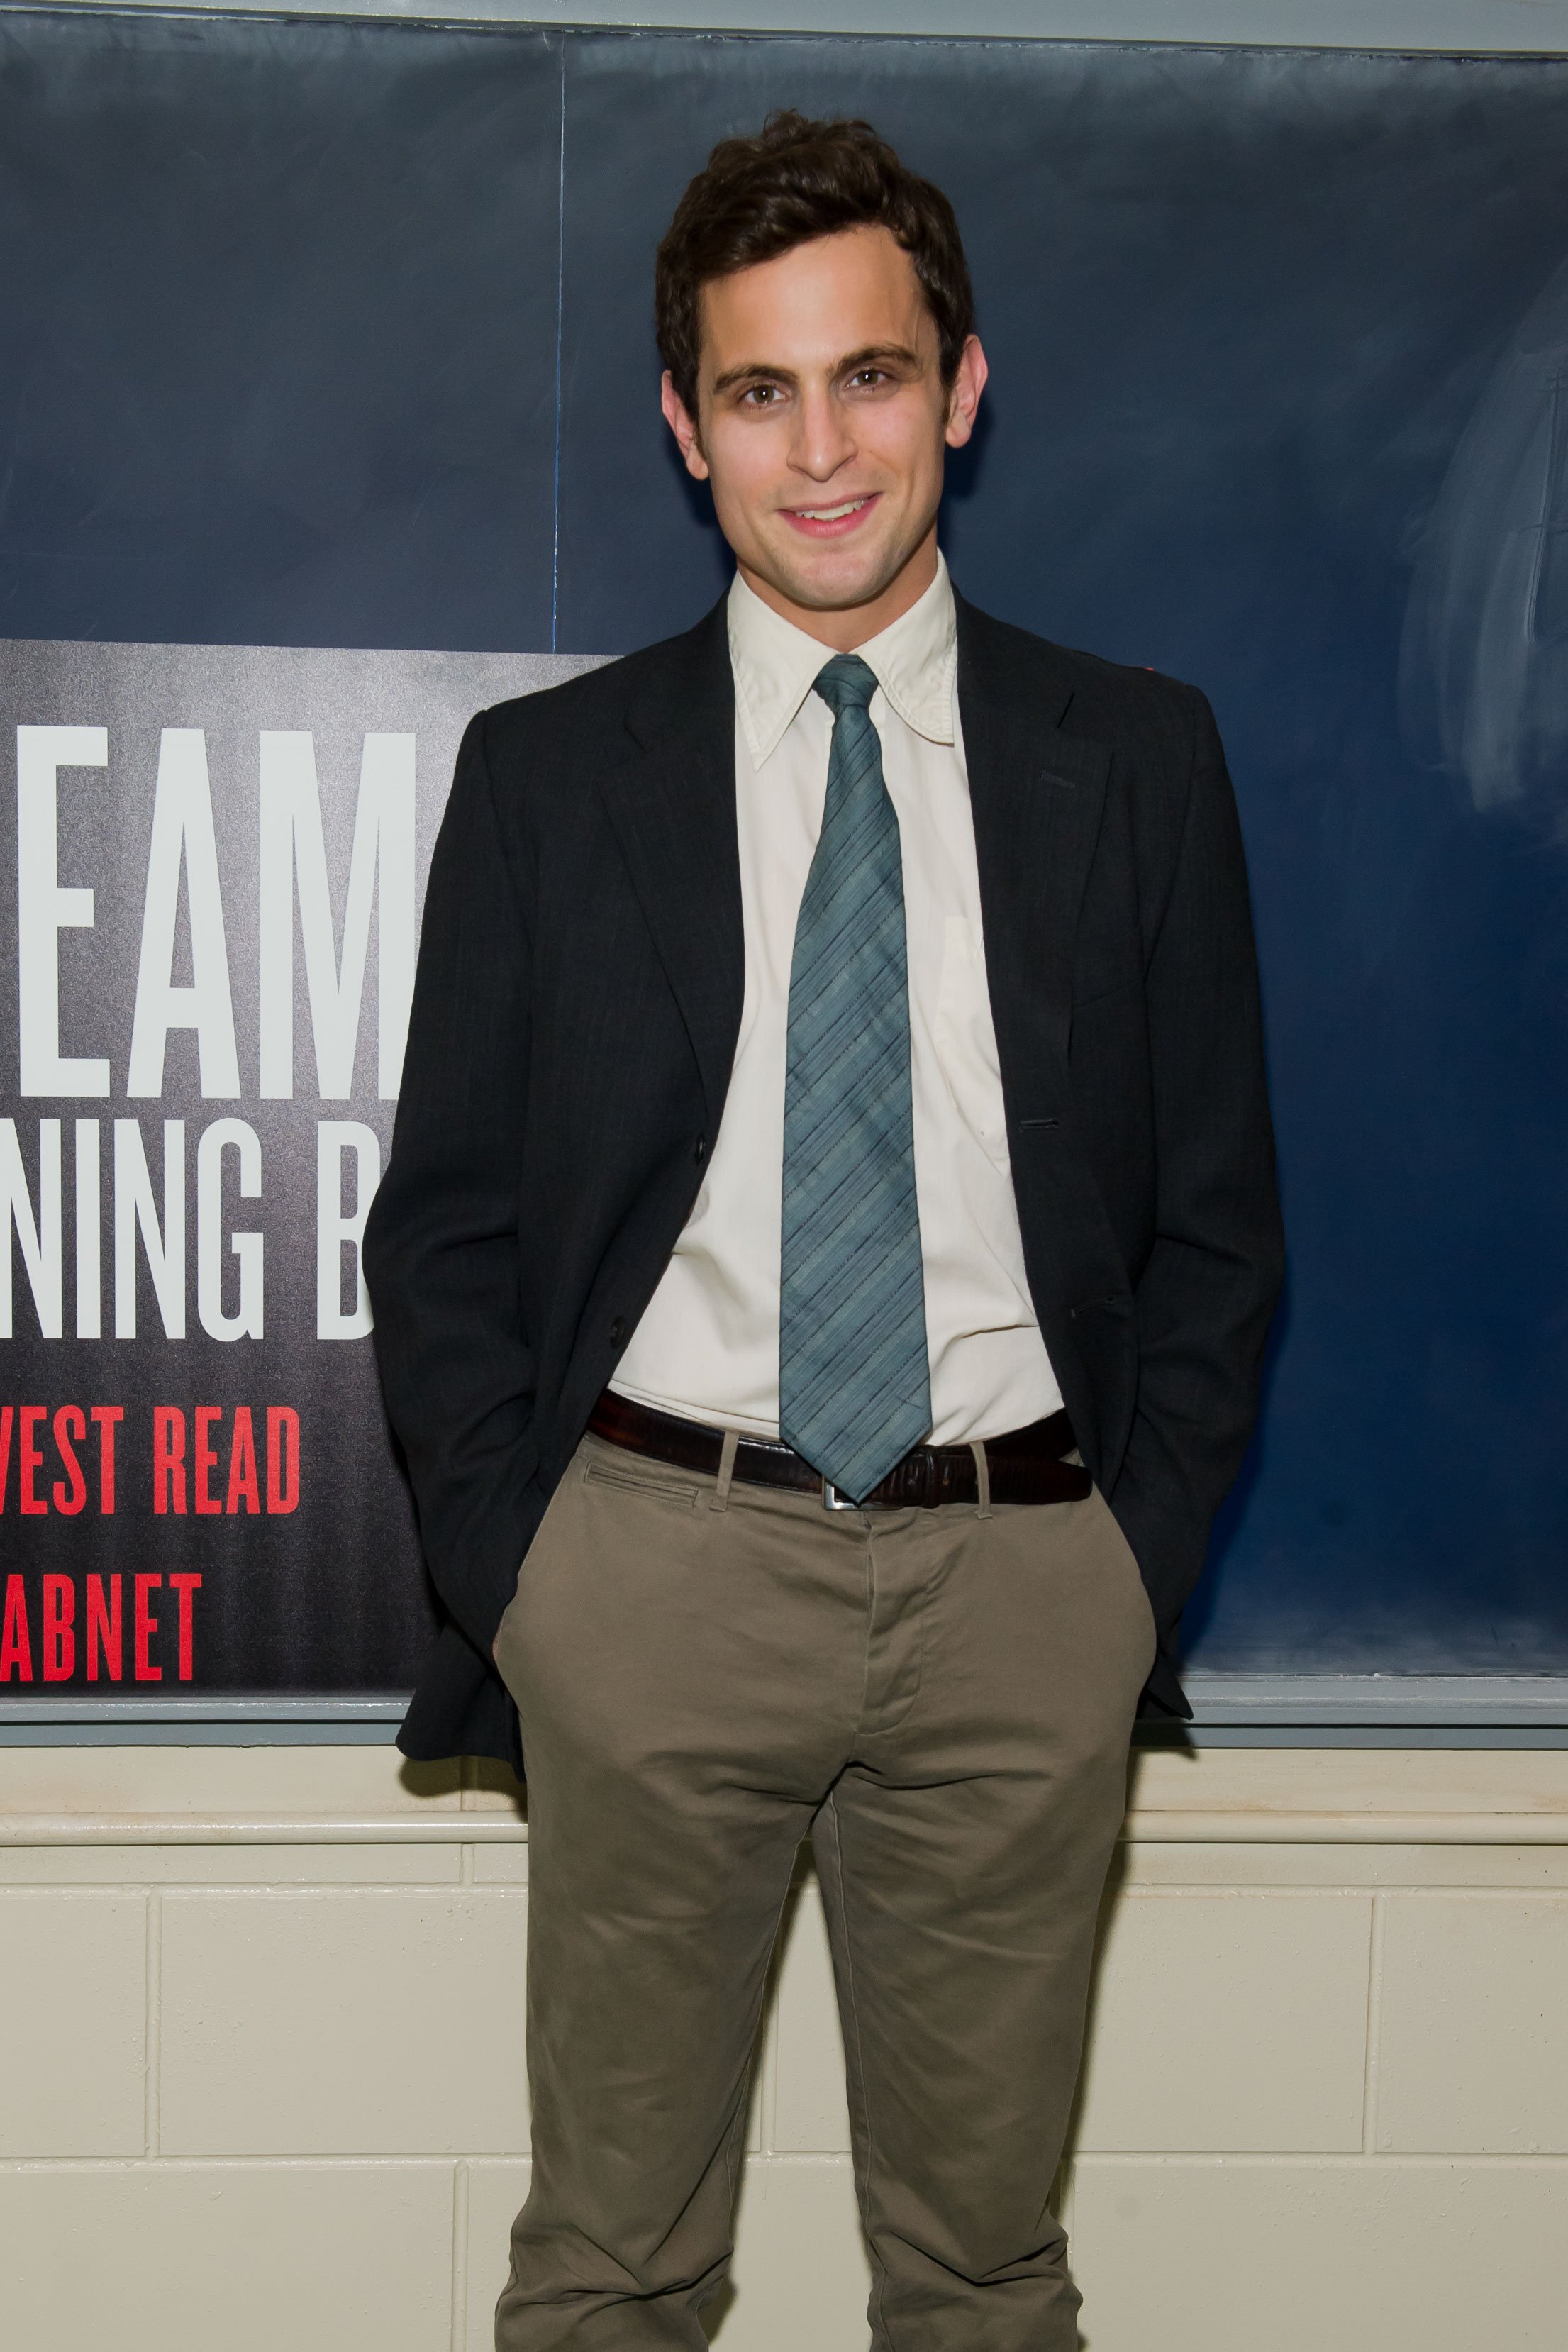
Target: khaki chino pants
x: 942, y: 1699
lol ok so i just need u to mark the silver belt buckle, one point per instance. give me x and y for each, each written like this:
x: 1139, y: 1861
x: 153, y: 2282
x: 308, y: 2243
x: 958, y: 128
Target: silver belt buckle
x: 833, y: 1501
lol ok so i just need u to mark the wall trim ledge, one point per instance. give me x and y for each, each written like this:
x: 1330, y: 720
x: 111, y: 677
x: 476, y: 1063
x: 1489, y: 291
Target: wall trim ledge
x: 1230, y: 1710
x: 1153, y: 1827
x: 268, y: 1796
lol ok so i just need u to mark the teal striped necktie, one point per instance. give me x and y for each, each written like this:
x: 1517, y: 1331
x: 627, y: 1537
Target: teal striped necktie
x: 854, y: 1383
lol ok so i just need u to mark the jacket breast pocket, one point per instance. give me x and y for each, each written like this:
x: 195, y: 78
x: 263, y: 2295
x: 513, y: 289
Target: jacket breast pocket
x: 1102, y: 988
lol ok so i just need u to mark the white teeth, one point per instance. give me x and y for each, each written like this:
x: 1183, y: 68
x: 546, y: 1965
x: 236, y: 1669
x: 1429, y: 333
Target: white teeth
x: 829, y: 514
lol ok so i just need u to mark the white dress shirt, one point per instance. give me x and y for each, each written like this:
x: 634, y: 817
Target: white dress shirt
x: 707, y: 1347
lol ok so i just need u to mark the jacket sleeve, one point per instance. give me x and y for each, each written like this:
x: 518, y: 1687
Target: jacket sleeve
x: 440, y: 1243
x: 1208, y: 1291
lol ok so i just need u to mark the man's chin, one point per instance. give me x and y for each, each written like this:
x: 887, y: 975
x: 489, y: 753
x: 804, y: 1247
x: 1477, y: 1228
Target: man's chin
x: 836, y: 583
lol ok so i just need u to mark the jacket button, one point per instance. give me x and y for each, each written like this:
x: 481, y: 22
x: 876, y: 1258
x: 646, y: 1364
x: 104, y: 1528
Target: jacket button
x: 618, y: 1332
x: 699, y: 1151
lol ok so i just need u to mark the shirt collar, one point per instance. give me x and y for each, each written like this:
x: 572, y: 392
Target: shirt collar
x: 915, y: 661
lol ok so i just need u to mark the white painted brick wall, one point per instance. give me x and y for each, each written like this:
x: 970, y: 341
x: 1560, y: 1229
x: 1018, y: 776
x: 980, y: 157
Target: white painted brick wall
x: 261, y: 2062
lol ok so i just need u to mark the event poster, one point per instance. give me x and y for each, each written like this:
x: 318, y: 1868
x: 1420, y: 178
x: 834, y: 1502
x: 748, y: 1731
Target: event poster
x: 210, y: 908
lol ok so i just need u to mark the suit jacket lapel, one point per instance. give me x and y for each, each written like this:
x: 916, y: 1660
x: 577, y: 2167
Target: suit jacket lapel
x: 1036, y: 795
x: 671, y: 802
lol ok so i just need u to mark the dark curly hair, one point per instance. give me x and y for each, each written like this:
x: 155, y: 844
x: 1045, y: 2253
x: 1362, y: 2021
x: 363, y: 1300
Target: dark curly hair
x: 797, y: 180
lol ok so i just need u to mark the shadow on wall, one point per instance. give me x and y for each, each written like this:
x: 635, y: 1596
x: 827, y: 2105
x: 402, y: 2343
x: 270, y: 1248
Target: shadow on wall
x: 1483, y: 681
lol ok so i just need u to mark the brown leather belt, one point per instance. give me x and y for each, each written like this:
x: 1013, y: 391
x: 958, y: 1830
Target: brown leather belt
x: 1024, y: 1465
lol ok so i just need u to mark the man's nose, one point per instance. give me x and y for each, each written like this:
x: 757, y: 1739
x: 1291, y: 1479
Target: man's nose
x: 823, y: 438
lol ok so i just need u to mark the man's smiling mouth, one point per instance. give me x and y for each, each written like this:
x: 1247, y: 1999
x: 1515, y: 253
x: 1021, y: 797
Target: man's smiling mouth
x: 842, y: 516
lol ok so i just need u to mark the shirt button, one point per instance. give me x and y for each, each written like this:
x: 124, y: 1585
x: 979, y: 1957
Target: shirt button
x: 618, y: 1332
x: 699, y: 1151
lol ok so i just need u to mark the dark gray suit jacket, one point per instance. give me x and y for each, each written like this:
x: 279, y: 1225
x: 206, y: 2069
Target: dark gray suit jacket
x: 575, y: 1017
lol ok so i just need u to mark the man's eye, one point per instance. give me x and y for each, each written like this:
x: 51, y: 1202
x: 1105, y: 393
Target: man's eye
x: 761, y: 395
x: 869, y: 375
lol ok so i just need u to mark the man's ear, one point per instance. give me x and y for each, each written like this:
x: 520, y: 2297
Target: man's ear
x: 683, y: 424
x: 964, y: 399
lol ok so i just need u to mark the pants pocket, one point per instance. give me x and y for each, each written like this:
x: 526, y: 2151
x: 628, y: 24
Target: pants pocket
x: 637, y: 1479
x: 1121, y: 1551
x: 556, y: 1509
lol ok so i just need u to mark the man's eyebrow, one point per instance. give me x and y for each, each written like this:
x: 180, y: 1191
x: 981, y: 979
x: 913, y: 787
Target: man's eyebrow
x: 875, y: 351
x: 760, y: 370
x: 749, y: 372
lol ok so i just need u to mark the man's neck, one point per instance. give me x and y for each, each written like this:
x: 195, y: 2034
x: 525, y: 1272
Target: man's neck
x: 843, y: 628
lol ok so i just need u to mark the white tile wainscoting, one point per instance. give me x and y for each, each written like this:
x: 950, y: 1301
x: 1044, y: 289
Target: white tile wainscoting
x: 261, y: 2054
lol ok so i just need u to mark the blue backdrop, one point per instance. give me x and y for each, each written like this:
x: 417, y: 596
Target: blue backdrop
x: 339, y: 334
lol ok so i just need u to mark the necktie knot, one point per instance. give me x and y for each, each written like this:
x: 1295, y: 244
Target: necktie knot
x: 846, y: 683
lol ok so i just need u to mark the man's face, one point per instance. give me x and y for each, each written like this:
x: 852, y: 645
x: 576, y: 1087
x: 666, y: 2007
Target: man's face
x: 823, y: 421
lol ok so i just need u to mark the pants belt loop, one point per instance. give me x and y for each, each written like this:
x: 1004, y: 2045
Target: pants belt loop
x: 982, y: 1477
x: 720, y: 1501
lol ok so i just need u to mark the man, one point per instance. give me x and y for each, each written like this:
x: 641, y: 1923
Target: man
x: 829, y: 1242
